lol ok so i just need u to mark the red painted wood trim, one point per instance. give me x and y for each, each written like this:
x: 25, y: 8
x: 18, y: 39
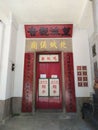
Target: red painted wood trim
x: 27, y: 83
x: 49, y: 31
x: 69, y: 83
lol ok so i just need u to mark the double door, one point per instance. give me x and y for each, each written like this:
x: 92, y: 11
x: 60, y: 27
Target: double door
x: 48, y: 82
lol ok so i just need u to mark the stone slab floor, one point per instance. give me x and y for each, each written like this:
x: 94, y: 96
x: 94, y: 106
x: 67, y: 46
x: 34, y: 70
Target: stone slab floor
x: 48, y: 121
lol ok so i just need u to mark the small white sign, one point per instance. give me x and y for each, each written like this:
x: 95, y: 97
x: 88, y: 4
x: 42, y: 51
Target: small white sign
x: 54, y: 76
x: 49, y: 58
x: 43, y: 87
x: 42, y: 75
x: 54, y: 87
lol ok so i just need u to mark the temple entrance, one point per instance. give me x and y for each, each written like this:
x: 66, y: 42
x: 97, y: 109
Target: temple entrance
x: 48, y: 69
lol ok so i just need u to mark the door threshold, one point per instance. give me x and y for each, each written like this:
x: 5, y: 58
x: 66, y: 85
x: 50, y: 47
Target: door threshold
x: 49, y: 110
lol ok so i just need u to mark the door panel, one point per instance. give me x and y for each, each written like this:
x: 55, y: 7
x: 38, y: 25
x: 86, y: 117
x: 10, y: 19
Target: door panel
x: 48, y: 68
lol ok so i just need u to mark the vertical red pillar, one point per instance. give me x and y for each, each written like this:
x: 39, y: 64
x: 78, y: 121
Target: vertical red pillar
x: 28, y: 82
x: 69, y: 83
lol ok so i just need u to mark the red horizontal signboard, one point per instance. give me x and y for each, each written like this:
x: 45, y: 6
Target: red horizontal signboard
x: 49, y: 31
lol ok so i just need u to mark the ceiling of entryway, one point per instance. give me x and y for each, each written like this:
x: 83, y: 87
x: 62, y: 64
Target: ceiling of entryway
x: 77, y: 12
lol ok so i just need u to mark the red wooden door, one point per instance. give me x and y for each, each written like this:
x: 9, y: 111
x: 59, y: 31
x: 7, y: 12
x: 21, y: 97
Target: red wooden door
x: 48, y: 68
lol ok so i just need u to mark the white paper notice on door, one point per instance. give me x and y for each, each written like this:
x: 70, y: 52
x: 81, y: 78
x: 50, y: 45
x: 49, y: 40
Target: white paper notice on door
x: 42, y: 75
x: 43, y: 87
x: 54, y: 87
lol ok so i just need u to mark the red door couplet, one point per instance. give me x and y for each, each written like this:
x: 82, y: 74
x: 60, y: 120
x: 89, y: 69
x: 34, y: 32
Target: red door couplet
x: 48, y: 81
x: 28, y: 81
x: 69, y: 83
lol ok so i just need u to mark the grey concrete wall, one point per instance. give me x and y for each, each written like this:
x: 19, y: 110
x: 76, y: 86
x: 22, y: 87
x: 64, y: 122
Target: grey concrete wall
x: 5, y: 109
x: 2, y: 103
x: 13, y: 105
x: 80, y: 101
x: 16, y: 105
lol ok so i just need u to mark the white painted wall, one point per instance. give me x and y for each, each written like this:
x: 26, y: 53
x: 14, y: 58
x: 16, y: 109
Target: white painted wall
x: 11, y: 60
x: 1, y: 42
x: 4, y: 60
x: 8, y: 56
x: 90, y: 28
x: 81, y: 57
x: 1, y: 50
x: 1, y: 36
x: 20, y: 50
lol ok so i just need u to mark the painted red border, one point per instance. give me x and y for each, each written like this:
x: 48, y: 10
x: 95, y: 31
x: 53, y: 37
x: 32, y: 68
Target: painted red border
x: 49, y: 31
x: 28, y: 82
x: 70, y: 98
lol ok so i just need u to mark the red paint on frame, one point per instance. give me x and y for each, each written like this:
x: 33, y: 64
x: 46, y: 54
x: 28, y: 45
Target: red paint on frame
x: 85, y: 84
x: 49, y: 31
x: 85, y: 73
x: 78, y: 67
x: 80, y: 84
x: 84, y: 67
x: 69, y: 83
x: 79, y: 78
x: 84, y: 78
x: 79, y: 73
x: 27, y: 83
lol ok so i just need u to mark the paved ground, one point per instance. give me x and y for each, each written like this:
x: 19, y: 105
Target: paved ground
x: 48, y: 121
